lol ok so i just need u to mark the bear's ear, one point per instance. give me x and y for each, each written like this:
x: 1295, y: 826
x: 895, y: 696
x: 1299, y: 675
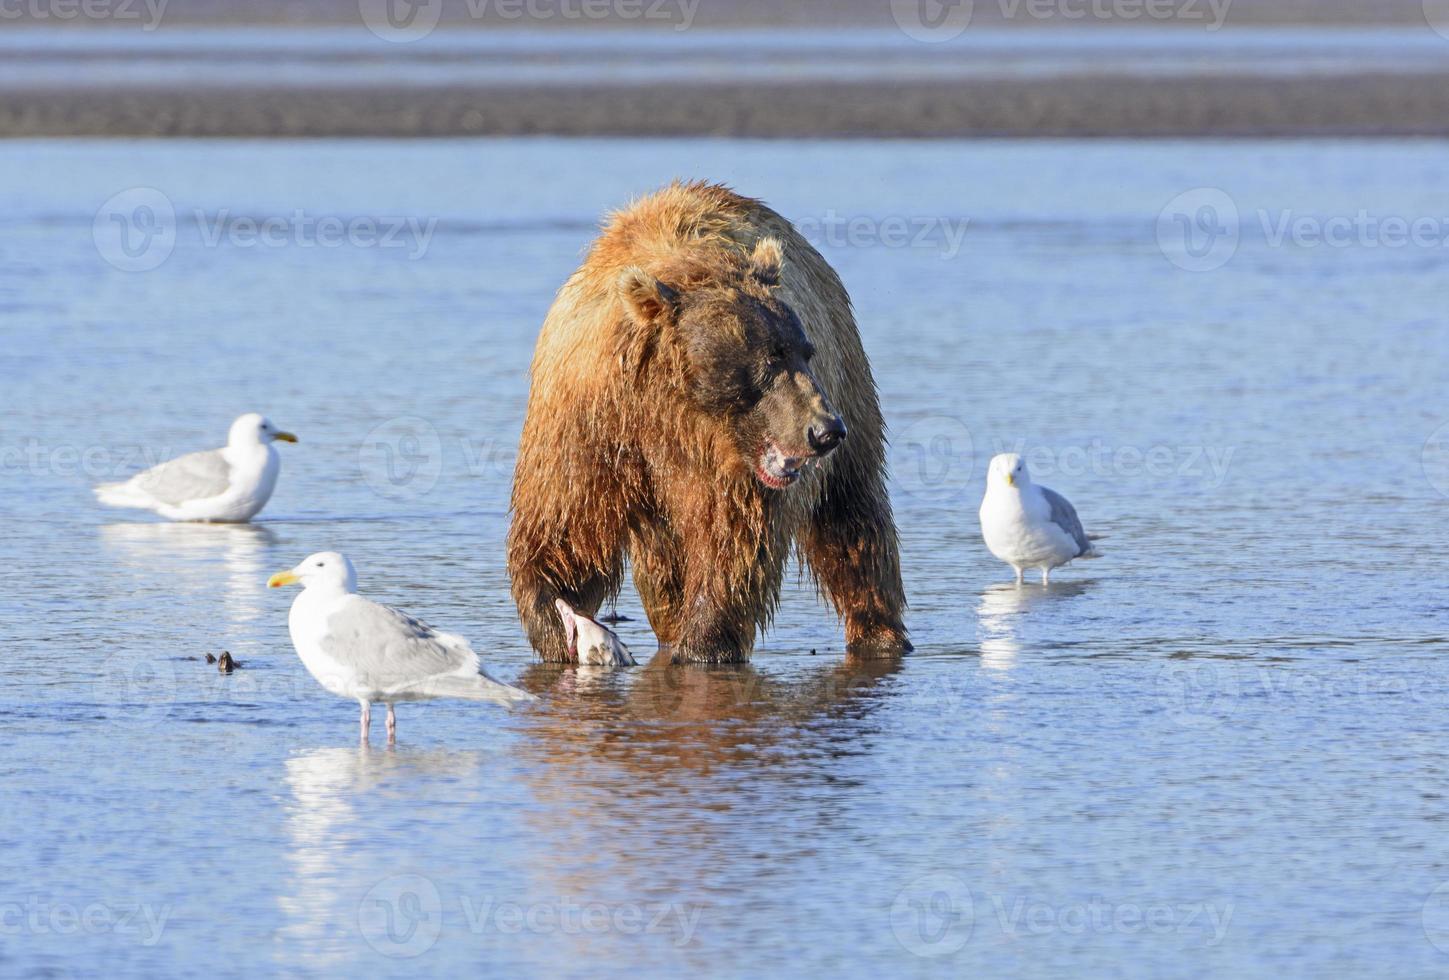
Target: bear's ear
x: 645, y: 297
x: 766, y: 260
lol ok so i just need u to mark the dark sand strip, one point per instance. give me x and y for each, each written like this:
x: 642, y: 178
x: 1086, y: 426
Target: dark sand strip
x: 1366, y: 105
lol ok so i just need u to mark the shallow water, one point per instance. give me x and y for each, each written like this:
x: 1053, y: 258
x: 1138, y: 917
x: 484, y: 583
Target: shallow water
x: 1220, y: 749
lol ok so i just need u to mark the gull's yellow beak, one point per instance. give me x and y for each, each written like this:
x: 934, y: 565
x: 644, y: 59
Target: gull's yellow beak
x: 285, y: 437
x: 1011, y: 479
x: 282, y: 578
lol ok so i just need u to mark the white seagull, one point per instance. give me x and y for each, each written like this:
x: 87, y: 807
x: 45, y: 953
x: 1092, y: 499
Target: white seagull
x: 593, y: 643
x: 228, y: 485
x: 357, y: 648
x: 1030, y: 526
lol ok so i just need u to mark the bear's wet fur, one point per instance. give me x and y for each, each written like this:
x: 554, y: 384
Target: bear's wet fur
x: 699, y: 402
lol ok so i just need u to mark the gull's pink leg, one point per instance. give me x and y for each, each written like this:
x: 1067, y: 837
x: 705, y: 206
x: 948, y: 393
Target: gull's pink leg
x: 391, y: 726
x: 366, y: 719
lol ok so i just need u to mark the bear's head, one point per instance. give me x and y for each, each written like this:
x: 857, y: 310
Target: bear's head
x: 737, y: 353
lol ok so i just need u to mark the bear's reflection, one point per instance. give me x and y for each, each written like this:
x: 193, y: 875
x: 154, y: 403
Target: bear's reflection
x: 657, y: 781
x: 694, y: 717
x: 625, y: 741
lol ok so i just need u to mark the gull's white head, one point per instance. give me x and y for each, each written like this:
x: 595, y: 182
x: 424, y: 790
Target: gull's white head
x: 1009, y: 469
x: 325, y: 570
x: 252, y: 429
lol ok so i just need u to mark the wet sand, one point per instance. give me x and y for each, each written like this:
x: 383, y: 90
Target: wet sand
x: 759, y: 13
x: 743, y: 69
x: 1377, y: 105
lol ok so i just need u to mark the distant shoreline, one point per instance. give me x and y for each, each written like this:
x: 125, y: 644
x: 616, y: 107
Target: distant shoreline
x: 1378, y: 105
x: 811, y: 14
x: 285, y: 81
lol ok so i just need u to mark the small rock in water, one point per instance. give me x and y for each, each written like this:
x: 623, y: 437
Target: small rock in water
x: 613, y: 617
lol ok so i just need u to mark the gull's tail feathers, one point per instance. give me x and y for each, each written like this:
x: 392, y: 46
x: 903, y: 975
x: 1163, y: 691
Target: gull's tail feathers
x: 123, y: 494
x: 477, y: 687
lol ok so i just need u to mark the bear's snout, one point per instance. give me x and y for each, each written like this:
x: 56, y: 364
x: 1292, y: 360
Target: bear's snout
x: 825, y: 436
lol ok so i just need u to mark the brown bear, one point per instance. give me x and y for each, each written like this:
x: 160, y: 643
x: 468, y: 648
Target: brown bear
x: 700, y: 401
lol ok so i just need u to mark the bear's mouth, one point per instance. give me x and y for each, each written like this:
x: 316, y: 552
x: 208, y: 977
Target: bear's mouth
x: 777, y: 468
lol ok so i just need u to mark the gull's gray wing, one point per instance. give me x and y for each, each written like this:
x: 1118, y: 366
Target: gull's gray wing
x: 194, y: 476
x: 1064, y: 516
x: 388, y: 648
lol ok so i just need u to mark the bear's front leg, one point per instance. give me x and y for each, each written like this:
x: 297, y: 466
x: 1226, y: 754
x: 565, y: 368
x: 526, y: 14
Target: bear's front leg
x: 733, y: 561
x: 535, y: 587
x: 714, y: 635
x: 547, y: 560
x: 850, y: 544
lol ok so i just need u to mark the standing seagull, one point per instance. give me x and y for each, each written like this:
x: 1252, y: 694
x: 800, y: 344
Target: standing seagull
x: 1030, y: 526
x: 228, y: 485
x: 357, y: 648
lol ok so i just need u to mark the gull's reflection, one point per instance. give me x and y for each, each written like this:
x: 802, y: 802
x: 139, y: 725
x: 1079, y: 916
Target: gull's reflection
x: 329, y: 871
x: 999, y: 615
x: 227, y: 559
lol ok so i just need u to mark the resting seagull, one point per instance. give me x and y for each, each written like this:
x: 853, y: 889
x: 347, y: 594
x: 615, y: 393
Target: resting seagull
x: 357, y: 648
x: 1030, y: 526
x: 228, y: 485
